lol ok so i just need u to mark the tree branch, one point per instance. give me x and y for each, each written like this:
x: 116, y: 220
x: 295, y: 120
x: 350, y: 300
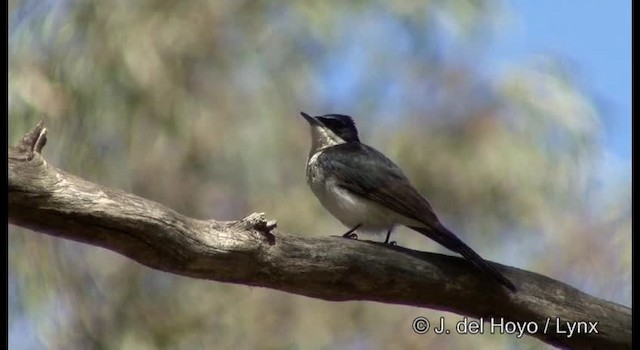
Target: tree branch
x: 251, y: 252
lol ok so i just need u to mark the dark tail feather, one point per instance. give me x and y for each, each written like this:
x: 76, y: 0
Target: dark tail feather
x: 450, y: 241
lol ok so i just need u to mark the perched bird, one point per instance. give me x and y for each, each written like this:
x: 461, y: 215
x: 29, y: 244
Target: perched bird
x: 365, y: 190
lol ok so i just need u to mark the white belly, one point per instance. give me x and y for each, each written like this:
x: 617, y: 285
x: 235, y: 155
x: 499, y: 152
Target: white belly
x: 351, y: 209
x: 354, y: 210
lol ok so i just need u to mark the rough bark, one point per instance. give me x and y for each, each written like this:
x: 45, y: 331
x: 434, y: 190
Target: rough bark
x: 252, y: 252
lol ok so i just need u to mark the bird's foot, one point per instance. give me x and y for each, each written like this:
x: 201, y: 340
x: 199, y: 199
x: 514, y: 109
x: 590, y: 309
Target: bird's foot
x: 350, y: 235
x: 386, y: 241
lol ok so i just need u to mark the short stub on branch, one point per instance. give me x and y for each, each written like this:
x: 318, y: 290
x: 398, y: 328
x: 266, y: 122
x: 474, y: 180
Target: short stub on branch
x: 258, y: 222
x: 31, y: 143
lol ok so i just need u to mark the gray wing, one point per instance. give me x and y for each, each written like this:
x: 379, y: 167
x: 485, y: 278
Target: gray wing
x: 364, y: 171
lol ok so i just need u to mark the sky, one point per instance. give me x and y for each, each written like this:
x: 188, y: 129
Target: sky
x: 595, y: 36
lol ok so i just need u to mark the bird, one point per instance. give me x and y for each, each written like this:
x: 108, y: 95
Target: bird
x: 366, y: 191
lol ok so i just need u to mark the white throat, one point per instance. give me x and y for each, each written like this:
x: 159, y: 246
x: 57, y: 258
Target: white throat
x: 322, y: 138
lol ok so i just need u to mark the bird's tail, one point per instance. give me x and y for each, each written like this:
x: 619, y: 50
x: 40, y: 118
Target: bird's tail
x: 450, y: 241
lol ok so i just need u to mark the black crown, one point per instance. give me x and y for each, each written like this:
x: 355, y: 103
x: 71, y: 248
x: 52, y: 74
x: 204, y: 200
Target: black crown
x: 341, y: 125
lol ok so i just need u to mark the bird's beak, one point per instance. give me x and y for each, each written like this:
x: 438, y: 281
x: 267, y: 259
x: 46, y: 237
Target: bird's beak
x: 311, y: 120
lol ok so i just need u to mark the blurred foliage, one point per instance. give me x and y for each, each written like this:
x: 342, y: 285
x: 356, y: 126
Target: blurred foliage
x: 195, y: 105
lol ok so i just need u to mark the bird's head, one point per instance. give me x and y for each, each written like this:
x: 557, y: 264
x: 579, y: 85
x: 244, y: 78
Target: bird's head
x: 330, y: 130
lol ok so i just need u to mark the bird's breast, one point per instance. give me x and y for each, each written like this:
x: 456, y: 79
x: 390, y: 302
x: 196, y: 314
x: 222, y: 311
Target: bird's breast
x: 349, y: 208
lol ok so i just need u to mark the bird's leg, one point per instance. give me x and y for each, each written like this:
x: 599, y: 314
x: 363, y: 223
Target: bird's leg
x: 386, y: 241
x: 349, y: 234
